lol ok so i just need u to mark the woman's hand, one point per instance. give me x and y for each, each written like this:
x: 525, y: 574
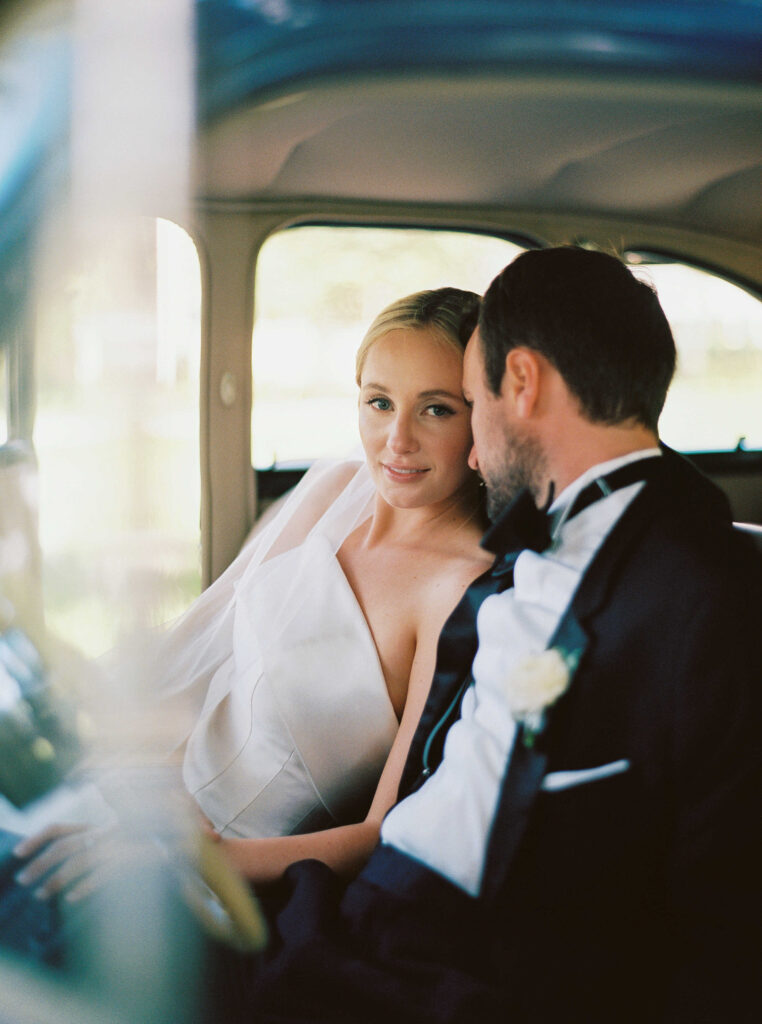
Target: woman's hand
x: 208, y: 828
x: 69, y: 859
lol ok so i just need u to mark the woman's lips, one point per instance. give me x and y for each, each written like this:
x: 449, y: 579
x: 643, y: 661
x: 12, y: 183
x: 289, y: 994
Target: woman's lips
x: 403, y: 474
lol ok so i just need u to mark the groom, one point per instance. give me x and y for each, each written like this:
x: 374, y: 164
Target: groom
x: 584, y: 847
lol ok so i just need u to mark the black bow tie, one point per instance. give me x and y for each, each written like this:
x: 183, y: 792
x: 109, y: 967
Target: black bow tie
x: 522, y: 525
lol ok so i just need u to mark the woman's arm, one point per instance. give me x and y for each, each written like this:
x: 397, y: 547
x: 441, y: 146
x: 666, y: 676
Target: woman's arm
x: 345, y: 848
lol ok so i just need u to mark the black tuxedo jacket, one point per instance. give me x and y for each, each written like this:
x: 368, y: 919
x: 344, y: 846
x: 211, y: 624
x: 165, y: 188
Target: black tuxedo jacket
x: 635, y: 896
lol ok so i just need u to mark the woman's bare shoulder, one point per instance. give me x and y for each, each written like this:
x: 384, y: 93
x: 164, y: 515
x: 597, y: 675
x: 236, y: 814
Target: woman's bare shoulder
x: 308, y: 502
x: 462, y: 553
x: 330, y: 479
x: 448, y: 577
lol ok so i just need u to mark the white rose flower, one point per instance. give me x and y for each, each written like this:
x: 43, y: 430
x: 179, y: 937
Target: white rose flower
x: 536, y: 684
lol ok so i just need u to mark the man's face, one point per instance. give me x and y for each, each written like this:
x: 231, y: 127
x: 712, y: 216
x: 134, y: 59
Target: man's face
x: 506, y: 456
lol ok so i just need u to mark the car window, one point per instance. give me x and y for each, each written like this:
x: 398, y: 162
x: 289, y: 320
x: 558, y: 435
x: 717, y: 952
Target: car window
x: 116, y: 435
x: 317, y: 290
x: 714, y: 402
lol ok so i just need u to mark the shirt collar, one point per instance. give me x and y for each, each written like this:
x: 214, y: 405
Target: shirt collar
x: 564, y: 500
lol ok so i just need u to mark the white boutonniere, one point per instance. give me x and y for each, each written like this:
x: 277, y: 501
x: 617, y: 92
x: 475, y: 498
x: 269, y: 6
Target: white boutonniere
x: 537, y: 683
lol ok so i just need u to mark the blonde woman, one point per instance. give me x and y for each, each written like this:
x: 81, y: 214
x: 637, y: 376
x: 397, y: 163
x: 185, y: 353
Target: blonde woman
x: 307, y: 664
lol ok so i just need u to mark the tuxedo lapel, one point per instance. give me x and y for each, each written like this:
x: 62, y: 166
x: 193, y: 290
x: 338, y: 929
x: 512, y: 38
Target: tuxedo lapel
x: 526, y: 770
x: 522, y: 782
x: 673, y: 480
x: 458, y: 639
x: 527, y: 765
x: 455, y: 654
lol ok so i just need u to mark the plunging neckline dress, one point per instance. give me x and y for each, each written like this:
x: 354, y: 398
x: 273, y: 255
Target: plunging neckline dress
x: 271, y: 681
x: 292, y: 736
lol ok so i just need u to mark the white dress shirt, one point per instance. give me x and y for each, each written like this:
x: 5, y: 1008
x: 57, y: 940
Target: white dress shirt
x: 446, y: 823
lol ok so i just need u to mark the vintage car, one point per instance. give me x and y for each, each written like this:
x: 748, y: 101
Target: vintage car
x: 203, y: 204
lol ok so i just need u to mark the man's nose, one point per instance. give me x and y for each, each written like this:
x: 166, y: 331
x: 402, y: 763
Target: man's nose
x: 473, y: 462
x: 402, y: 436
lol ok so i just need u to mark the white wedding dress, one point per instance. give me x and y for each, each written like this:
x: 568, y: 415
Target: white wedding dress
x: 273, y: 679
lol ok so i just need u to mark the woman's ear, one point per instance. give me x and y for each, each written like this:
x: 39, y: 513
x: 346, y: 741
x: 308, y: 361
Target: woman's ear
x: 522, y: 380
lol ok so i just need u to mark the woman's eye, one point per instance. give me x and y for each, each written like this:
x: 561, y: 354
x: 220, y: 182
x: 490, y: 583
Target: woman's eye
x: 380, y: 403
x: 439, y: 410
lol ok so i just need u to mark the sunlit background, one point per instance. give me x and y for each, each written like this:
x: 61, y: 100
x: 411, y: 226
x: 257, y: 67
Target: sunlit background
x: 116, y: 436
x: 318, y: 288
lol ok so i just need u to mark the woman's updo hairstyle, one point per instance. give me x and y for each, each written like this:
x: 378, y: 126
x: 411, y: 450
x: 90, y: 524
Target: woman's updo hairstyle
x: 450, y: 313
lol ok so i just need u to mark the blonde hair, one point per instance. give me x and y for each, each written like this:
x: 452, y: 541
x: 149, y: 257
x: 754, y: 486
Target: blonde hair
x: 450, y: 313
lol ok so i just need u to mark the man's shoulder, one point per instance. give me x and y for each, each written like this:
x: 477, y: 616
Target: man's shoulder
x: 694, y: 512
x: 678, y: 532
x: 692, y: 491
x: 681, y: 500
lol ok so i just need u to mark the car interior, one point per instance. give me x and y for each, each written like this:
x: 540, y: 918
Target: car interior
x: 168, y: 171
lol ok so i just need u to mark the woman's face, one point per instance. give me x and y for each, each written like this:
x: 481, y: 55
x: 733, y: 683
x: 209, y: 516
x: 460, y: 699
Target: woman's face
x: 414, y: 424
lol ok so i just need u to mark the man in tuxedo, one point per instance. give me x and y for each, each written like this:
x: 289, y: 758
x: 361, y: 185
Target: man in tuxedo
x: 577, y: 835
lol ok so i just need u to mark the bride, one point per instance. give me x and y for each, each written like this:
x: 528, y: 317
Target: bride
x: 297, y: 679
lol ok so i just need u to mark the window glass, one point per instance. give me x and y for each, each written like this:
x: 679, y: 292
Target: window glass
x: 317, y: 291
x: 116, y: 435
x: 714, y: 402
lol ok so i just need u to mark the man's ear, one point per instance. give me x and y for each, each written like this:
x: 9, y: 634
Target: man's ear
x: 521, y: 381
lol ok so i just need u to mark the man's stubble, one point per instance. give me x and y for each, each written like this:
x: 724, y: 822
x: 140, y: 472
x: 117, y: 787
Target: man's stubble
x: 522, y: 464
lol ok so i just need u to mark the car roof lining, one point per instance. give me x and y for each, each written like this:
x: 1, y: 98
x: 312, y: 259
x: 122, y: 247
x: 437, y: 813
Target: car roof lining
x: 683, y: 154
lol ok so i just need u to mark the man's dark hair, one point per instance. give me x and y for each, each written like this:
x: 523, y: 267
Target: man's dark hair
x: 599, y: 326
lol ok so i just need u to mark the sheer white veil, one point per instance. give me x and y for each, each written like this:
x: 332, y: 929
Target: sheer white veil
x: 176, y: 666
